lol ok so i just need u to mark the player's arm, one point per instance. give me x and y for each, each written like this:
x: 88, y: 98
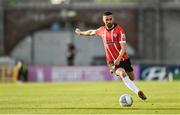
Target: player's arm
x: 85, y: 33
x: 121, y: 52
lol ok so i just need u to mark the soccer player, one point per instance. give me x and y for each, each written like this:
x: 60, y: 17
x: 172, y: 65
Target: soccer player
x: 113, y: 37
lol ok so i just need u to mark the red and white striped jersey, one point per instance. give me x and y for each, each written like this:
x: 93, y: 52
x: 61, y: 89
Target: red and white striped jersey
x: 112, y: 39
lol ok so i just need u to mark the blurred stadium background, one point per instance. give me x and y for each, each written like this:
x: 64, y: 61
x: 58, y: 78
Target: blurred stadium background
x: 39, y: 31
x: 34, y: 38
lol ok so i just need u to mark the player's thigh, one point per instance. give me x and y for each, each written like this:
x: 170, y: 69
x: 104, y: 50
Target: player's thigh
x: 131, y: 75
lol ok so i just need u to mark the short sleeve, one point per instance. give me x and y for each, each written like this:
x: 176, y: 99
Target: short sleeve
x: 122, y: 36
x: 99, y: 31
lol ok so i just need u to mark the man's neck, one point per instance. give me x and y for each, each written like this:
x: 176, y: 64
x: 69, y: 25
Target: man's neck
x: 110, y: 27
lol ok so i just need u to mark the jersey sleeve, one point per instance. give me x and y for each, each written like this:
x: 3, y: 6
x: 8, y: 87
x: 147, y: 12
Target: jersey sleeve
x: 122, y: 36
x: 98, y: 32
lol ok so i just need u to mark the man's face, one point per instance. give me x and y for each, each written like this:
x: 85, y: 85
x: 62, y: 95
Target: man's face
x: 108, y: 21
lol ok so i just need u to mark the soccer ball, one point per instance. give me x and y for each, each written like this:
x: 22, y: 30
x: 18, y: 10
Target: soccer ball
x: 125, y: 100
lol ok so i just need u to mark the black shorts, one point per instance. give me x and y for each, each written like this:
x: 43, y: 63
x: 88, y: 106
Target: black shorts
x: 126, y: 65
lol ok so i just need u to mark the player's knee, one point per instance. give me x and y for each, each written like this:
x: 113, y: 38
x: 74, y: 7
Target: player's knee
x: 131, y: 78
x: 131, y: 75
x: 121, y: 72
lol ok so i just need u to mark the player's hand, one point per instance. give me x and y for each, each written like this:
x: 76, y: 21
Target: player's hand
x: 117, y: 61
x: 78, y: 31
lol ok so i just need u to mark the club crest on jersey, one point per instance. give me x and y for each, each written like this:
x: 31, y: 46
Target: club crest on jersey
x: 115, y: 35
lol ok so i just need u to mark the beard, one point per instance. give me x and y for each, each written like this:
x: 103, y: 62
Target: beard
x: 109, y: 25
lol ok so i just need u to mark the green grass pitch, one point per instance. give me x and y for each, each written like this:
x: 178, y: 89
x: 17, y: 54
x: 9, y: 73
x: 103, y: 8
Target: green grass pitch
x: 88, y: 98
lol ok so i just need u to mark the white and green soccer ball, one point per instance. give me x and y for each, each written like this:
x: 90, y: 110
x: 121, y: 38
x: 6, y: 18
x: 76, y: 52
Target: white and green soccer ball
x: 125, y: 100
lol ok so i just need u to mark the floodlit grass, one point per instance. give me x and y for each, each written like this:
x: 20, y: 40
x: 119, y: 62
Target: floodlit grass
x: 87, y: 98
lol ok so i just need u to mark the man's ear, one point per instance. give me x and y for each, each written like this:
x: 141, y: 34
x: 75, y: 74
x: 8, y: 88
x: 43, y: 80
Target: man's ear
x: 103, y: 19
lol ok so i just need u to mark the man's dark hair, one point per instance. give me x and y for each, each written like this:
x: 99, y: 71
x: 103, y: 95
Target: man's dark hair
x: 107, y: 13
